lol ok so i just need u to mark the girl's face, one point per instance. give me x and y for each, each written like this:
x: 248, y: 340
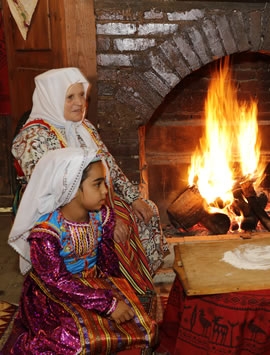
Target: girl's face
x: 92, y: 192
x: 75, y: 103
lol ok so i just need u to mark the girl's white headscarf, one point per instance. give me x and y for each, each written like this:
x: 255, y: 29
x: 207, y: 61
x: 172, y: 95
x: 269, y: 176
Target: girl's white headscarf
x: 54, y: 182
x: 49, y: 100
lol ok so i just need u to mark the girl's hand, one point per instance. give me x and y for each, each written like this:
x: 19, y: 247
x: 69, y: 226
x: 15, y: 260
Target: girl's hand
x: 142, y: 210
x: 122, y: 313
x: 121, y: 231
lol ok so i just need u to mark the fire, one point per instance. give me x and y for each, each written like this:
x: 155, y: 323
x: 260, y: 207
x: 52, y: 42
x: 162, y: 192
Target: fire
x: 229, y: 151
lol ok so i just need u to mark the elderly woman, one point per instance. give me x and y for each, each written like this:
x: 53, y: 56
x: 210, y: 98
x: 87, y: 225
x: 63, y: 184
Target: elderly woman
x: 57, y: 120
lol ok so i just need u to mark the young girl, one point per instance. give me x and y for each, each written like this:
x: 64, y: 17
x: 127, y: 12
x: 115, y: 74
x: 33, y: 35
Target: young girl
x: 75, y: 299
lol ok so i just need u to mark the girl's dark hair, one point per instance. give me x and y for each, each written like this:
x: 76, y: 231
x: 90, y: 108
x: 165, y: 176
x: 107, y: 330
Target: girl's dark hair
x: 86, y: 171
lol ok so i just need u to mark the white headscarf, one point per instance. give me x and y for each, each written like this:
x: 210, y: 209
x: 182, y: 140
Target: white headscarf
x: 53, y: 183
x: 49, y: 101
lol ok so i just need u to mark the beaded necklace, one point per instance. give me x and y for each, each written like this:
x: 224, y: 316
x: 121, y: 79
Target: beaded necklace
x: 85, y: 237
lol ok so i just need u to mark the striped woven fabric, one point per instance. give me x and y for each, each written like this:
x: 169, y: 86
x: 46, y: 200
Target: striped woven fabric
x: 132, y: 258
x: 100, y: 335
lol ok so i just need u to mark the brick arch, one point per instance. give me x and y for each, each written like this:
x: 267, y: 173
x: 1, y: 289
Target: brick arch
x: 142, y: 79
x: 143, y: 88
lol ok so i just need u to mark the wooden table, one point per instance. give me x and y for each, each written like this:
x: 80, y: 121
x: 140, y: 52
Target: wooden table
x: 198, y: 264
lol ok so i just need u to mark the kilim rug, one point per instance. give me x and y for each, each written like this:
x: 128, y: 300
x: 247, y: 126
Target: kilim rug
x: 7, y: 315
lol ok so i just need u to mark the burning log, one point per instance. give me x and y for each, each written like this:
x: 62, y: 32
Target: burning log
x: 256, y: 203
x: 189, y: 209
x: 241, y: 207
x: 249, y: 223
x: 217, y: 223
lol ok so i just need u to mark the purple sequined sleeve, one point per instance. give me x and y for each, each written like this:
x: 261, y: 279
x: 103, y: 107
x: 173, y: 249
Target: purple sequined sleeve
x: 50, y: 268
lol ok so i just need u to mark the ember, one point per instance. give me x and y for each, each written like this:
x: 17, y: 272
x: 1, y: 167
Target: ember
x: 226, y: 168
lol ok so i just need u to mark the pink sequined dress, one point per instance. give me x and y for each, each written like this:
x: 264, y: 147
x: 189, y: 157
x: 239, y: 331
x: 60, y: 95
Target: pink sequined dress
x: 68, y: 296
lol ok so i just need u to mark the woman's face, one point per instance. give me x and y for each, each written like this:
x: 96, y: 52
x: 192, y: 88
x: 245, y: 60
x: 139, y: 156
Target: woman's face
x: 75, y: 103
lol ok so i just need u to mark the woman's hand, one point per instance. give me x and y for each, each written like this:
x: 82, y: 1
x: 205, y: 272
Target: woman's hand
x: 121, y: 231
x: 122, y: 313
x: 142, y: 210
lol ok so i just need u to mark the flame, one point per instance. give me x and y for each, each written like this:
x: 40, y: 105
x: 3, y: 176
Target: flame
x: 231, y: 135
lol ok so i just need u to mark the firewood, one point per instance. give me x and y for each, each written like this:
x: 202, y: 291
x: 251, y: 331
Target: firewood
x: 217, y: 223
x: 241, y: 207
x: 187, y: 210
x: 255, y: 203
x: 249, y: 223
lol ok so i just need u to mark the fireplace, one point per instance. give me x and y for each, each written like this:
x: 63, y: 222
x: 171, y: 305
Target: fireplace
x: 154, y: 65
x: 174, y: 131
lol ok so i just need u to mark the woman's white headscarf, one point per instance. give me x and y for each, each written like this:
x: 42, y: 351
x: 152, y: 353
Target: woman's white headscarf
x: 54, y: 182
x: 49, y: 101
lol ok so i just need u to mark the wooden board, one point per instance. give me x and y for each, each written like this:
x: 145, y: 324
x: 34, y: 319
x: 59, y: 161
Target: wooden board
x: 200, y: 268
